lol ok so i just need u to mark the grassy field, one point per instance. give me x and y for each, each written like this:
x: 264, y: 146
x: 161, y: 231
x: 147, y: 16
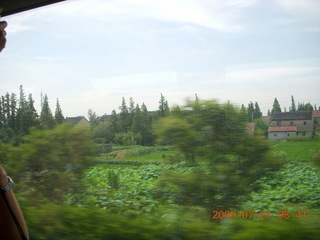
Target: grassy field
x: 297, y: 150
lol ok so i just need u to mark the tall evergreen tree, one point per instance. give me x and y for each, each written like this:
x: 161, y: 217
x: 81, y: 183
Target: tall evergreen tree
x: 250, y: 112
x: 58, y: 116
x: 32, y: 113
x: 6, y: 110
x: 146, y: 119
x: 275, y: 107
x: 137, y: 125
x: 124, y: 116
x: 22, y: 112
x: 243, y: 112
x: 114, y: 122
x: 257, y: 112
x: 46, y: 118
x: 293, y: 105
x: 13, y: 113
x: 131, y: 111
x: 269, y: 113
x: 163, y: 106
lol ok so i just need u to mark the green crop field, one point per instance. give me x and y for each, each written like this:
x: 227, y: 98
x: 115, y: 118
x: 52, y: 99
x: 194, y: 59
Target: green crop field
x: 155, y: 156
x: 297, y: 150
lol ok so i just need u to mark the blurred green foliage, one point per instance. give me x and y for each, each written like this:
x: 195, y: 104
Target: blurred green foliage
x: 48, y: 163
x: 67, y: 194
x: 215, y: 133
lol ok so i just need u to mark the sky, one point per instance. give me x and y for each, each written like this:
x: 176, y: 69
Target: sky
x: 91, y: 53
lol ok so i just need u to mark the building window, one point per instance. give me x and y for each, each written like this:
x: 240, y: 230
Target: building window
x: 304, y: 123
x: 275, y: 135
x: 278, y: 123
x: 291, y: 123
x: 288, y: 134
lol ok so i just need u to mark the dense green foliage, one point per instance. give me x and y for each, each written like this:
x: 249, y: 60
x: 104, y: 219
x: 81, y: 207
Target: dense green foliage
x: 50, y: 159
x: 17, y: 116
x: 69, y: 189
x: 216, y: 134
x: 297, y: 182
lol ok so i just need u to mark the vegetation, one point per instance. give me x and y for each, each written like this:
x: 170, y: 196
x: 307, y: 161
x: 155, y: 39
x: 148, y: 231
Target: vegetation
x: 158, y: 175
x: 297, y: 150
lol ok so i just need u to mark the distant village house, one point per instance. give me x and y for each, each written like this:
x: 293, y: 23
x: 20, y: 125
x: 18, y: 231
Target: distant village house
x: 289, y: 124
x: 78, y: 121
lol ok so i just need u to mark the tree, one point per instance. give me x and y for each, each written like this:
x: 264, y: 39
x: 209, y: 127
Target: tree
x: 305, y: 107
x: 250, y: 112
x: 124, y: 121
x: 178, y: 132
x: 93, y: 118
x: 13, y: 113
x: 32, y: 113
x: 52, y: 158
x: 58, y: 116
x: 257, y: 112
x: 114, y: 122
x: 131, y: 111
x: 46, y: 118
x: 137, y: 125
x: 275, y: 107
x: 22, y: 113
x: 293, y: 105
x: 146, y: 127
x: 217, y: 135
x: 163, y: 107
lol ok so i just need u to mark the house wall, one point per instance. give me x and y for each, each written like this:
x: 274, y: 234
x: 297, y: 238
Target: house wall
x: 84, y: 122
x: 280, y: 135
x: 302, y: 125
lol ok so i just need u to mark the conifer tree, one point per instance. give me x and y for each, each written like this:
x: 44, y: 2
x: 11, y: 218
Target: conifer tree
x: 124, y: 116
x: 146, y: 119
x: 257, y: 112
x: 275, y: 107
x: 250, y: 112
x: 46, y: 118
x: 163, y: 106
x: 293, y: 105
x: 58, y: 116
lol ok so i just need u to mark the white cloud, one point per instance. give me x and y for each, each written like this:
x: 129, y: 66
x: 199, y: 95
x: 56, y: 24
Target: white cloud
x: 217, y: 15
x: 302, y: 9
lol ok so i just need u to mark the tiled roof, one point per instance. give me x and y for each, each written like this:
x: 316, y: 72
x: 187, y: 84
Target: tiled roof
x: 73, y: 120
x: 303, y: 115
x: 283, y: 129
x: 316, y: 113
x: 266, y: 119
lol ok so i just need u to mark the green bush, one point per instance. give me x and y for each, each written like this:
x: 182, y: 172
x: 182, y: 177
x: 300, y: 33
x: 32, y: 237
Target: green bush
x: 69, y: 223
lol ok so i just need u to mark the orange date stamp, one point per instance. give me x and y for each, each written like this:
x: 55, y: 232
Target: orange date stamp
x: 219, y: 215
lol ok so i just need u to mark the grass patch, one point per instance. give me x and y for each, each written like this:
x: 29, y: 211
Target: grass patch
x: 296, y: 150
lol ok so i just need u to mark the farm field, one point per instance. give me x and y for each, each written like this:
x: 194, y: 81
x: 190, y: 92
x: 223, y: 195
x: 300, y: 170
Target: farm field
x: 296, y: 150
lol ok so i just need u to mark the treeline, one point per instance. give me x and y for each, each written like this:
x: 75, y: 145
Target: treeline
x: 253, y: 112
x: 132, y: 125
x: 18, y: 115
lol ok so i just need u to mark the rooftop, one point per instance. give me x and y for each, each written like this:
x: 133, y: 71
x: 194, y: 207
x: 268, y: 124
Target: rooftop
x: 283, y: 129
x: 303, y: 115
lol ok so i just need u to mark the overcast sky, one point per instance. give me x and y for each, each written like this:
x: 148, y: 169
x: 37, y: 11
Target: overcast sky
x: 91, y: 53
